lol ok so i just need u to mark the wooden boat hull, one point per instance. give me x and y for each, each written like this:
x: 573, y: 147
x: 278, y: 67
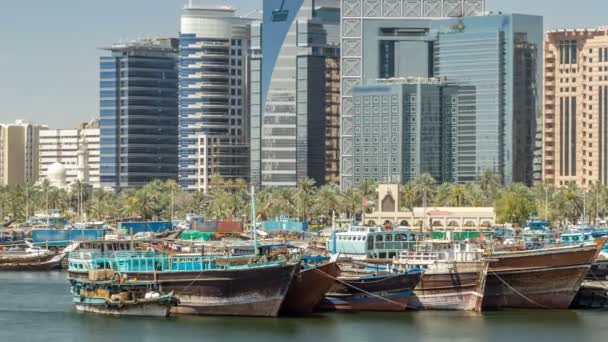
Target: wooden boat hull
x: 308, y: 289
x: 390, y: 301
x: 6, y: 259
x: 148, y: 308
x: 546, y: 278
x: 392, y: 282
x: 388, y: 292
x: 256, y: 291
x: 449, y: 291
x: 47, y: 265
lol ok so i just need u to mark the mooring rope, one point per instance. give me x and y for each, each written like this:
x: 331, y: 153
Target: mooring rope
x: 519, y: 293
x: 404, y: 306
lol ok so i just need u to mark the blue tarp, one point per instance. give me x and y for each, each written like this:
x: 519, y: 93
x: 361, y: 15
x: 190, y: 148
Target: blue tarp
x: 127, y: 228
x: 66, y: 235
x: 296, y: 226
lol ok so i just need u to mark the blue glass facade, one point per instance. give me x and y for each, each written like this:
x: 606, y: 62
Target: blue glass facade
x: 138, y: 113
x: 295, y: 89
x: 495, y: 62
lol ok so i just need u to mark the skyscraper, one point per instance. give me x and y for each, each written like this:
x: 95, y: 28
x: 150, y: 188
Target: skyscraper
x: 383, y: 39
x: 295, y: 93
x: 575, y: 116
x: 138, y: 113
x: 213, y: 96
x: 493, y: 59
x: 403, y: 128
x: 496, y: 60
x: 19, y: 152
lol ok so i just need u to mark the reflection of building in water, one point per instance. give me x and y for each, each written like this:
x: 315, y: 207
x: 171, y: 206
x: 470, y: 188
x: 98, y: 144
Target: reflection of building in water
x: 389, y: 211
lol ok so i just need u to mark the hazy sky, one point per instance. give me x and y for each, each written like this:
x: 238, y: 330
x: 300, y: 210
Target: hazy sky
x: 49, y: 49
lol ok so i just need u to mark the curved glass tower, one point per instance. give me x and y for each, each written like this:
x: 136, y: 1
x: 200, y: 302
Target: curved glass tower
x: 213, y: 125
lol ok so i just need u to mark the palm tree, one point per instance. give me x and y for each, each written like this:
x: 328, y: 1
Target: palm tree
x: 45, y: 188
x: 425, y: 185
x: 569, y: 202
x: 305, y: 189
x: 489, y: 182
x: 409, y: 196
x: 326, y: 200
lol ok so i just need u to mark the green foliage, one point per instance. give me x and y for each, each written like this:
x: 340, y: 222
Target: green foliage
x: 228, y: 199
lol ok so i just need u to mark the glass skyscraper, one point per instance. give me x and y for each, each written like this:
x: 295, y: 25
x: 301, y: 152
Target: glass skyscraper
x: 213, y: 96
x: 138, y: 113
x: 494, y: 60
x: 402, y: 129
x: 295, y: 93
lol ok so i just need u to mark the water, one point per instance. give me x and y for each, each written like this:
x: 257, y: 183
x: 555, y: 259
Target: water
x: 36, y: 307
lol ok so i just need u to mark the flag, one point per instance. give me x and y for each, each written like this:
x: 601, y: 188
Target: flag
x: 365, y: 203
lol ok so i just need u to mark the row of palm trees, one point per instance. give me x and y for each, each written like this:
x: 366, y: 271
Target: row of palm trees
x: 230, y: 199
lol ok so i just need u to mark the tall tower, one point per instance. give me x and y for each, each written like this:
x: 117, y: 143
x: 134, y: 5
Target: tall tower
x: 295, y: 93
x: 138, y: 113
x: 213, y: 96
x: 19, y: 152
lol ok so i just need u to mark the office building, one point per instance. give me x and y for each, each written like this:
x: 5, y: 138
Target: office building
x: 493, y: 59
x: 138, y: 113
x: 19, y: 152
x: 295, y: 93
x: 75, y: 151
x: 213, y: 96
x: 402, y: 129
x: 575, y: 144
x: 496, y: 60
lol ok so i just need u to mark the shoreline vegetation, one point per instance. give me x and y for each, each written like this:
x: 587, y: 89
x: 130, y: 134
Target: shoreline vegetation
x: 230, y: 200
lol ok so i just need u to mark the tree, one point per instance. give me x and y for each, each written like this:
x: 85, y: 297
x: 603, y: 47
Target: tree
x: 511, y: 207
x: 489, y: 182
x: 425, y: 187
x: 409, y: 196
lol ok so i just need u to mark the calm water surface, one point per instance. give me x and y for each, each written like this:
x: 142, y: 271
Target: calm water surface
x: 36, y: 307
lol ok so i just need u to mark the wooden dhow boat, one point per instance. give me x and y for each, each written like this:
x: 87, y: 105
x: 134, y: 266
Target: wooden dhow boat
x: 365, y: 290
x: 542, y: 278
x: 309, y: 286
x: 454, y: 275
x: 204, y: 285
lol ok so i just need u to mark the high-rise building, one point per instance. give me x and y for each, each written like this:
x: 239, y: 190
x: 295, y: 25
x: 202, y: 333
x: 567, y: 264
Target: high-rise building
x: 295, y: 93
x: 383, y: 39
x: 493, y: 59
x: 402, y: 128
x: 213, y: 96
x: 19, y: 152
x: 138, y: 113
x: 575, y: 115
x: 77, y: 150
x: 496, y: 60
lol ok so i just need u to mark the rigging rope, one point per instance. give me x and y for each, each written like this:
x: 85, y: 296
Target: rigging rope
x: 519, y: 293
x: 404, y: 306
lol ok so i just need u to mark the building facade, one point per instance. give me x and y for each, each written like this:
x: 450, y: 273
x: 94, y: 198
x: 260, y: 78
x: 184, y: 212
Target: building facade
x: 19, y: 152
x: 494, y: 60
x: 366, y: 56
x: 403, y: 128
x: 138, y: 113
x: 213, y: 96
x: 575, y: 116
x: 77, y: 150
x: 295, y: 93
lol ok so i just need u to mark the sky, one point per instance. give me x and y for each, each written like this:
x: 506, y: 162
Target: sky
x: 49, y: 50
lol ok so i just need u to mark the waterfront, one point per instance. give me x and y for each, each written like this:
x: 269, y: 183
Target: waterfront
x: 36, y: 307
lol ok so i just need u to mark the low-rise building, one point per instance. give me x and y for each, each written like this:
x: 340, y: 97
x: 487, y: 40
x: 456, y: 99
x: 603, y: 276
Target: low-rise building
x: 77, y: 150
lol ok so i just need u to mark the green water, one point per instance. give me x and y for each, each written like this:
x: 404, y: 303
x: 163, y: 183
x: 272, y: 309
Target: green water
x: 36, y: 307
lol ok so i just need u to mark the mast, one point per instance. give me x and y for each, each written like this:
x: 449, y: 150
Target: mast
x: 253, y: 223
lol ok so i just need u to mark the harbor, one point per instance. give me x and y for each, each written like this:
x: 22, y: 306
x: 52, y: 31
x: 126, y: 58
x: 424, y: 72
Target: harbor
x: 47, y: 314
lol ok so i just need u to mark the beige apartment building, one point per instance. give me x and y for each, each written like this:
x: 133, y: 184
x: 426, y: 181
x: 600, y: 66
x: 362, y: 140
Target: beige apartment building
x: 19, y: 152
x: 575, y: 115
